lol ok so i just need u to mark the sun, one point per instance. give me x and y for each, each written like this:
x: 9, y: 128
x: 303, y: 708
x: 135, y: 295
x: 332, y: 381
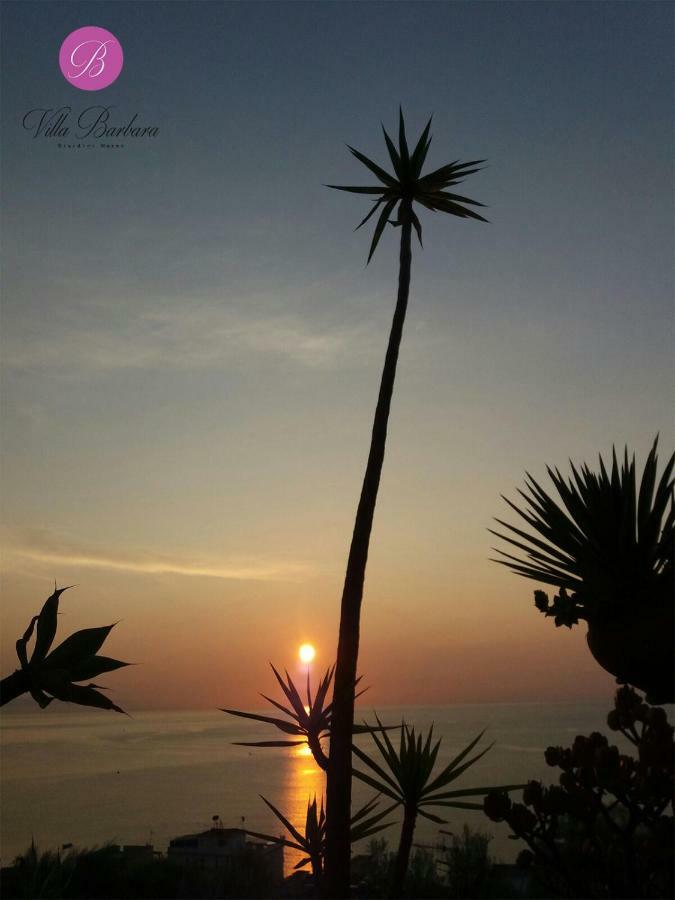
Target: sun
x: 306, y: 653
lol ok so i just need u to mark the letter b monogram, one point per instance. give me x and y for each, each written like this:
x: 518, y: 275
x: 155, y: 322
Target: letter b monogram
x: 91, y: 58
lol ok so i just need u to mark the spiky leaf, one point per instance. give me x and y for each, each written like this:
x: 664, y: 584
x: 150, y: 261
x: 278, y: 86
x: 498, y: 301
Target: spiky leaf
x: 46, y: 625
x: 605, y: 540
x: 93, y: 666
x: 78, y: 647
x: 408, y: 186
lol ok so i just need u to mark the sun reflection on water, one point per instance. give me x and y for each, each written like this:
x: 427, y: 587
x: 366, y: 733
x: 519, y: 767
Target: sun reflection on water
x: 304, y: 781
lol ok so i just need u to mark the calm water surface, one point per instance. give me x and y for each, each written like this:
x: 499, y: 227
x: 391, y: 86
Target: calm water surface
x: 89, y: 777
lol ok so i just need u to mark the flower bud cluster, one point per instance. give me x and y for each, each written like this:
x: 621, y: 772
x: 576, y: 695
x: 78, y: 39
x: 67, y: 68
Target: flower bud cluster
x: 566, y: 609
x: 605, y: 801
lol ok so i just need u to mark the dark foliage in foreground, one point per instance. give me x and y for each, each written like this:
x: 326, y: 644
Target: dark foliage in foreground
x: 611, y: 542
x: 410, y: 778
x: 460, y: 869
x: 607, y: 545
x: 104, y: 872
x: 606, y: 829
x: 312, y: 844
x: 47, y: 676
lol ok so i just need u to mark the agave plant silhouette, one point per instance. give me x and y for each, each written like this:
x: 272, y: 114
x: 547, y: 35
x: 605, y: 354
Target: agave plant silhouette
x: 310, y: 721
x: 410, y: 782
x: 406, y: 186
x: 611, y: 545
x: 55, y: 676
x: 313, y: 842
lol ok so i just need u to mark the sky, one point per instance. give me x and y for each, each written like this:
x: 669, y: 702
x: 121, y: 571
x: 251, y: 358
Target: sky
x: 192, y: 343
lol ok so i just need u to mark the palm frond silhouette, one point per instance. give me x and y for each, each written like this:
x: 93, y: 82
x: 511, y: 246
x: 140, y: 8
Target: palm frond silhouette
x: 364, y: 823
x: 408, y: 778
x: 310, y: 721
x: 610, y: 543
x: 407, y: 185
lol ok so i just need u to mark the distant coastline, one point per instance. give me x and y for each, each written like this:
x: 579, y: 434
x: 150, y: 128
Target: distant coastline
x: 162, y: 774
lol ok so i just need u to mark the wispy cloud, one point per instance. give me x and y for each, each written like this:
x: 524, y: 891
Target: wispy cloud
x: 189, y: 336
x: 43, y: 546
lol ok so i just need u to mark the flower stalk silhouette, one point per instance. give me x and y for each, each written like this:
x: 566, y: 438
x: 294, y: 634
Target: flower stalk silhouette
x: 401, y: 189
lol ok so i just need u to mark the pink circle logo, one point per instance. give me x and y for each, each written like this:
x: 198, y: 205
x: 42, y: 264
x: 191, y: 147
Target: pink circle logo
x: 91, y: 58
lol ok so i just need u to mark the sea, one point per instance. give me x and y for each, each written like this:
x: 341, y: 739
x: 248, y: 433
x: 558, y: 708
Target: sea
x: 87, y: 777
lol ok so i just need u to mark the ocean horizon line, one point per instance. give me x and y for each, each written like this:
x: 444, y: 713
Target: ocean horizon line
x: 20, y: 708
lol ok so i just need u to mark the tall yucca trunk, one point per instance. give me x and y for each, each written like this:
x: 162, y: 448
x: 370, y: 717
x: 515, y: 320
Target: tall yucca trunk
x: 342, y: 720
x: 317, y: 874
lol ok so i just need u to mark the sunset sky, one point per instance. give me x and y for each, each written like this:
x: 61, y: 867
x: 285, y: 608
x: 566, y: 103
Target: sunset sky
x: 192, y: 343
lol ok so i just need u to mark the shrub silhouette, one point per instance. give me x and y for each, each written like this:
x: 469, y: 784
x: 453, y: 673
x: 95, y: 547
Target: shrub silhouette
x: 611, y: 546
x: 459, y: 871
x: 606, y: 829
x: 408, y: 779
x: 105, y: 872
x: 313, y: 842
x: 468, y: 863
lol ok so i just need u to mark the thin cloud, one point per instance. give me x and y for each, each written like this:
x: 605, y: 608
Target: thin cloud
x: 187, y: 337
x: 45, y: 547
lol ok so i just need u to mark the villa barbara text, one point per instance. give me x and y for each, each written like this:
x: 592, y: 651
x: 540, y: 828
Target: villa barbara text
x: 92, y: 122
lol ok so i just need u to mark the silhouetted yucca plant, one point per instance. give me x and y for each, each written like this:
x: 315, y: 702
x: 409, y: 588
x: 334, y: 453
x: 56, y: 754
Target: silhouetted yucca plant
x: 47, y: 676
x: 313, y: 842
x: 407, y: 778
x: 609, y: 550
x: 310, y: 721
x: 396, y: 193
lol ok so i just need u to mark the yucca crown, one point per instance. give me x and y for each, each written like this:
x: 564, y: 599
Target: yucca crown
x: 407, y: 185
